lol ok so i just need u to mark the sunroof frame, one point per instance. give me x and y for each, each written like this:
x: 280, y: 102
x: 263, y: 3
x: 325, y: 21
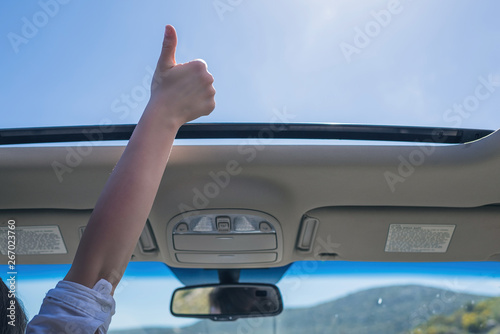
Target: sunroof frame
x: 248, y: 130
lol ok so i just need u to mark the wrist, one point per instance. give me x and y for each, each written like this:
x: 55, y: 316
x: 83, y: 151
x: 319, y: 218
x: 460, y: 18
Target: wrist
x: 163, y: 117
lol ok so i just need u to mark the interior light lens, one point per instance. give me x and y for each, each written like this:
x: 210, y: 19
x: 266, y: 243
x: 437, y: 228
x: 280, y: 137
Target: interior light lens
x: 241, y: 223
x: 205, y: 224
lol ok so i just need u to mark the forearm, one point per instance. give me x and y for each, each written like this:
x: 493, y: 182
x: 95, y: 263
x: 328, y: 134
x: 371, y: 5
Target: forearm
x: 125, y: 203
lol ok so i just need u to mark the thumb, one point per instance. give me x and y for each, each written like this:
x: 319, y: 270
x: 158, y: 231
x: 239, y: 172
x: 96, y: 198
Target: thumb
x: 167, y: 55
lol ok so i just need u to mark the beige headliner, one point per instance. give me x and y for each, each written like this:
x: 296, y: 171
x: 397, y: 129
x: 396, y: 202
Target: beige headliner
x: 345, y: 187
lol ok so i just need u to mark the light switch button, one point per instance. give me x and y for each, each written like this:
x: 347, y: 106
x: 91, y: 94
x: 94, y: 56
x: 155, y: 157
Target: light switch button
x: 265, y: 227
x: 223, y: 224
x: 182, y: 227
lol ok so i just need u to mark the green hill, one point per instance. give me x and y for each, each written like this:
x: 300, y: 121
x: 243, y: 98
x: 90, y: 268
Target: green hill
x: 387, y: 310
x: 481, y: 317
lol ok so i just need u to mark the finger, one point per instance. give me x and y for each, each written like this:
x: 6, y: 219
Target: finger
x: 167, y: 56
x: 204, y: 63
x: 201, y: 61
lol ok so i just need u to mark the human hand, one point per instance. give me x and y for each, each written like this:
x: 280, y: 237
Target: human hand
x: 180, y: 92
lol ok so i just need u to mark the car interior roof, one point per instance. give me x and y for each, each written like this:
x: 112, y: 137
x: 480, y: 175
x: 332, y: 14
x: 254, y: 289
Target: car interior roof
x: 354, y: 192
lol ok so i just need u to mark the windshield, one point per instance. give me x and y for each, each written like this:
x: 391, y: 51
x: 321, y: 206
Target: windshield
x: 318, y: 297
x: 398, y: 62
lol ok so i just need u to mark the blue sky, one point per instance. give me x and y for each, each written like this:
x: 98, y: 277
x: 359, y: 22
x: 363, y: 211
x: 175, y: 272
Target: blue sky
x: 374, y: 62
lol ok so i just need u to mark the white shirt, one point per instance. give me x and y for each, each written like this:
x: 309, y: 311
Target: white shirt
x: 71, y: 308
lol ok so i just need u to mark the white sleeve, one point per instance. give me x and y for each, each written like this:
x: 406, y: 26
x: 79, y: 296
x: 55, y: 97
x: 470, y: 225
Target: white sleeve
x: 71, y: 308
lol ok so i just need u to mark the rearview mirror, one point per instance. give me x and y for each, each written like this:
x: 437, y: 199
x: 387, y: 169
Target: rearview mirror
x: 227, y: 301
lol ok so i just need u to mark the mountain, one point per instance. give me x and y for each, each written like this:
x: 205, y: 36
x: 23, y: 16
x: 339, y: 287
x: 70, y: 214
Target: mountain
x: 387, y: 310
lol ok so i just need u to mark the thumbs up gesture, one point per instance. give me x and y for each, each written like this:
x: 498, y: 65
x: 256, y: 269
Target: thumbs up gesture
x: 180, y: 92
